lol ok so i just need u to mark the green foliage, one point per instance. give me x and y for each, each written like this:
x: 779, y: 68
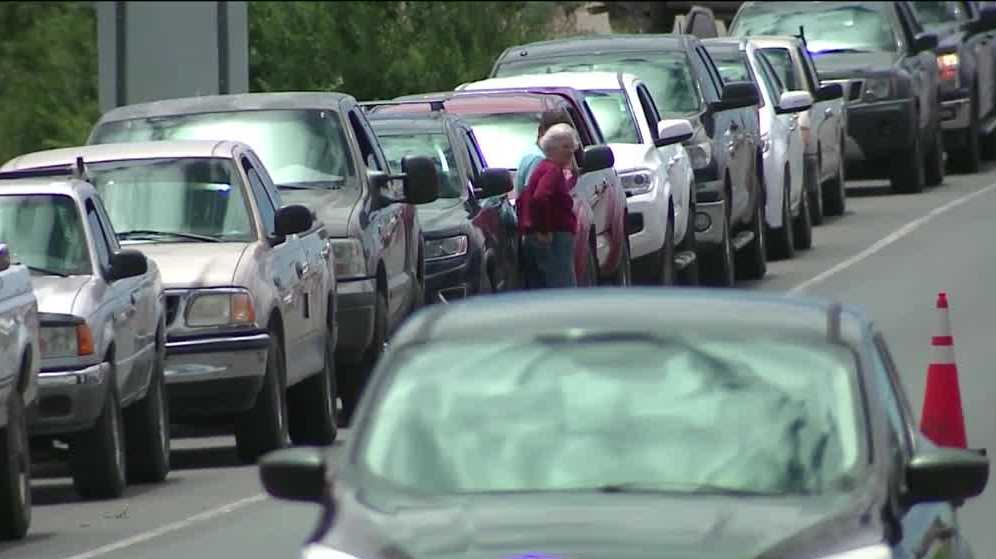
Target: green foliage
x: 48, y: 75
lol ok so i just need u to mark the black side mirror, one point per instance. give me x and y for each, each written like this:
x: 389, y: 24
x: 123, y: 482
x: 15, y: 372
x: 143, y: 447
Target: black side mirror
x: 946, y: 474
x: 296, y: 474
x: 493, y: 182
x: 127, y: 264
x: 4, y: 257
x: 737, y: 95
x: 293, y: 219
x: 985, y: 22
x: 421, y: 180
x: 597, y: 158
x: 829, y: 92
x: 924, y: 41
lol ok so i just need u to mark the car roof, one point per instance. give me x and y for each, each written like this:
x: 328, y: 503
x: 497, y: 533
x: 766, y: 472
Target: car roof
x: 725, y: 43
x: 227, y: 103
x: 632, y: 309
x: 774, y: 40
x: 129, y: 150
x: 595, y: 44
x: 65, y: 186
x: 409, y: 122
x: 482, y: 102
x: 576, y: 80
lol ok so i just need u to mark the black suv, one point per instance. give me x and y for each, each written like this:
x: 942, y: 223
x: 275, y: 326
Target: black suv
x: 471, y: 244
x: 725, y: 149
x: 886, y: 61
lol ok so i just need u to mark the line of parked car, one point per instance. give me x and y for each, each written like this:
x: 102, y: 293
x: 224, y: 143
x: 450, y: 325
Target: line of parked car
x: 244, y: 259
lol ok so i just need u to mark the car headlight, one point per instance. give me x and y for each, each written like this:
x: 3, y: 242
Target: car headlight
x: 350, y: 262
x: 227, y: 308
x: 316, y: 551
x: 877, y: 551
x: 700, y: 155
x: 637, y: 181
x: 877, y: 88
x: 765, y: 142
x: 447, y: 247
x: 65, y: 340
x: 947, y: 65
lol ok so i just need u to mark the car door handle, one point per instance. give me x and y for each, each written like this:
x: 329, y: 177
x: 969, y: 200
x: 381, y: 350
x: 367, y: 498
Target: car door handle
x: 302, y: 269
x: 828, y: 111
x: 326, y: 250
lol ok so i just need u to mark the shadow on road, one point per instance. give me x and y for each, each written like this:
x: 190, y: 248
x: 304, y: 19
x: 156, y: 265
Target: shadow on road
x: 48, y: 494
x: 869, y: 191
x: 30, y: 539
x: 205, y: 458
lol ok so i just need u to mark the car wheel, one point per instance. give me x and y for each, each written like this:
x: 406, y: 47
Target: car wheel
x: 624, y: 271
x: 97, y: 457
x: 782, y: 241
x: 147, y: 430
x: 908, y: 178
x: 263, y: 427
x: 591, y: 269
x: 968, y: 158
x: 934, y: 166
x: 802, y: 226
x: 666, y: 274
x: 689, y: 276
x: 816, y: 210
x: 354, y: 376
x: 752, y: 261
x: 312, y: 404
x: 718, y: 265
x: 835, y: 197
x: 15, y: 472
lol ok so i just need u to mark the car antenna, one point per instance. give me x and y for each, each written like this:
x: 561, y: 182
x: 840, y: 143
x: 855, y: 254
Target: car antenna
x: 79, y: 172
x: 802, y: 36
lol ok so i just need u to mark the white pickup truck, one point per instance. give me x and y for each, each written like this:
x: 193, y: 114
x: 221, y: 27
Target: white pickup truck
x: 19, y: 360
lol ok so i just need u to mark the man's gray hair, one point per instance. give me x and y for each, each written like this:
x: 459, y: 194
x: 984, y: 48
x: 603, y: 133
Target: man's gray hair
x: 558, y: 134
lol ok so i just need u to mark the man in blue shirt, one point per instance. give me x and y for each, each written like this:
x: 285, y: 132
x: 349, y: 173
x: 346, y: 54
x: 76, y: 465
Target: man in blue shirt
x: 531, y: 158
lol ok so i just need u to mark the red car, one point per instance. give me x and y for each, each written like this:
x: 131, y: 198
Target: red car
x: 505, y: 123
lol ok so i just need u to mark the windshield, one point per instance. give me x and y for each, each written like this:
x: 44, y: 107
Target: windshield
x: 935, y: 15
x: 757, y: 413
x: 45, y: 233
x: 296, y: 146
x: 666, y: 73
x: 613, y: 116
x: 168, y: 199
x: 849, y: 27
x: 504, y: 138
x: 434, y: 145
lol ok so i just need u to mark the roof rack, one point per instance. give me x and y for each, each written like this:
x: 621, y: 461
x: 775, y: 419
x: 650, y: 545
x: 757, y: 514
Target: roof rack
x: 75, y: 170
x: 435, y: 105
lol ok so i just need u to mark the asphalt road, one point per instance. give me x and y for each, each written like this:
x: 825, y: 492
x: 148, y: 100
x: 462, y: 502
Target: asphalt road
x: 889, y: 253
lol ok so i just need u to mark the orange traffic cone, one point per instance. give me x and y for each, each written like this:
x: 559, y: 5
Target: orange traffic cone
x: 942, y: 420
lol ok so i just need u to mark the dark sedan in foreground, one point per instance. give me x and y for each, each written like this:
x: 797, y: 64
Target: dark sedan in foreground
x: 632, y: 424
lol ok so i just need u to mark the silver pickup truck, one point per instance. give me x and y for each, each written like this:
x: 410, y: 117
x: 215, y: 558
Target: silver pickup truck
x: 18, y: 390
x: 101, y: 333
x: 250, y: 284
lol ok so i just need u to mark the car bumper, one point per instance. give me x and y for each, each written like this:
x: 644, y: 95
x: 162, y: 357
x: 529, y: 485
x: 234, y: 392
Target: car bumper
x: 68, y: 400
x: 215, y: 375
x: 956, y: 114
x: 880, y: 129
x: 356, y: 307
x: 647, y: 224
x: 453, y: 278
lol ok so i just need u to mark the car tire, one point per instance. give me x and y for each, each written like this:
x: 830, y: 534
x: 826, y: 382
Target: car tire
x: 816, y: 209
x: 988, y: 146
x: 782, y: 245
x: 147, y: 428
x: 354, y: 378
x: 689, y: 276
x: 934, y: 166
x: 752, y: 260
x: 98, y: 456
x: 15, y: 472
x: 835, y: 197
x: 624, y: 271
x: 802, y: 226
x: 264, y: 427
x: 666, y: 274
x: 906, y: 178
x: 968, y: 158
x: 718, y: 264
x: 312, y: 405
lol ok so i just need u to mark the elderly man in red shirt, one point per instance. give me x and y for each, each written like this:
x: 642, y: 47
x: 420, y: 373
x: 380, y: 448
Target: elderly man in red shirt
x: 546, y: 210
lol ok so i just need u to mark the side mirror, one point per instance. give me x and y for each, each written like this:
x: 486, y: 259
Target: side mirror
x: 829, y: 92
x: 924, y: 41
x: 597, y: 158
x: 493, y: 182
x: 673, y: 131
x: 738, y: 95
x: 127, y: 264
x: 4, y: 257
x: 985, y: 22
x: 296, y: 474
x: 421, y: 180
x: 794, y: 102
x: 946, y: 474
x: 291, y: 220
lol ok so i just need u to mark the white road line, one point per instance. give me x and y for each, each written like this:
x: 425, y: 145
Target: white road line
x: 888, y: 240
x: 173, y: 527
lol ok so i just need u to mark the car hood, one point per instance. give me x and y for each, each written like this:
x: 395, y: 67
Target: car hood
x: 57, y: 294
x: 332, y: 207
x: 596, y: 526
x: 634, y: 156
x: 189, y: 265
x: 851, y: 64
x: 443, y: 217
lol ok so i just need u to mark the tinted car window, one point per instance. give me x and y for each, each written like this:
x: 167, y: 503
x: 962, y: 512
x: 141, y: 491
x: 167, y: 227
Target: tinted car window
x: 781, y: 61
x: 666, y: 73
x: 613, y: 115
x: 505, y: 138
x: 828, y: 27
x: 564, y: 413
x: 435, y: 145
x: 46, y: 232
x: 933, y: 15
x: 297, y: 146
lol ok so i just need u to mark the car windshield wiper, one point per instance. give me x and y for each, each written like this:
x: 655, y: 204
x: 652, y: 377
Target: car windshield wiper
x: 331, y: 184
x: 153, y: 233
x: 696, y: 489
x: 46, y: 271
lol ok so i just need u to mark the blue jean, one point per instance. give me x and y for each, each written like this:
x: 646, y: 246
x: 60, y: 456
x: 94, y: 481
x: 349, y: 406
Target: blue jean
x: 549, y: 265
